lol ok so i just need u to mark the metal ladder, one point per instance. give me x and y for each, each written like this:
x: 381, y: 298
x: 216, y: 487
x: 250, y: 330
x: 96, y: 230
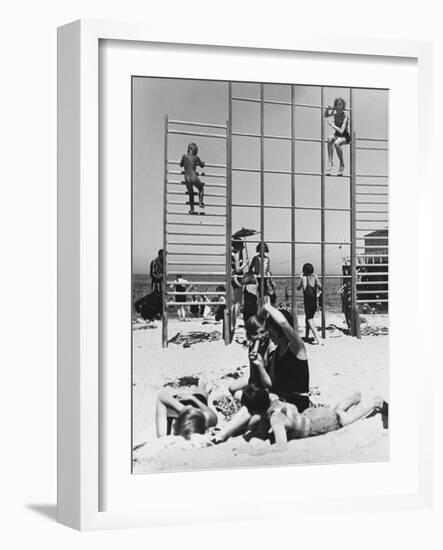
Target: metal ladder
x: 372, y: 235
x: 183, y: 231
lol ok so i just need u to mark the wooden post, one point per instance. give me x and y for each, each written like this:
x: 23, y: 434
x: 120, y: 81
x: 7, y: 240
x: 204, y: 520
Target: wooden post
x: 165, y: 256
x: 322, y: 221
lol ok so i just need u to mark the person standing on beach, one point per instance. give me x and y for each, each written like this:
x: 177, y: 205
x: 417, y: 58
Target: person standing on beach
x: 180, y: 286
x: 311, y: 285
x: 156, y: 272
x: 256, y: 269
x: 189, y: 163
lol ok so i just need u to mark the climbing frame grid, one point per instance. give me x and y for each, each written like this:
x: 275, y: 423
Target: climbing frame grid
x: 365, y: 269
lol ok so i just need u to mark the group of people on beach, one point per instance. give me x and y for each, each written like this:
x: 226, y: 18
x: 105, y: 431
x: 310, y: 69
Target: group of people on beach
x: 274, y: 397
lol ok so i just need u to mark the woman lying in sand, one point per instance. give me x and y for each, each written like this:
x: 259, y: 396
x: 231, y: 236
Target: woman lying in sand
x: 185, y: 414
x: 271, y: 414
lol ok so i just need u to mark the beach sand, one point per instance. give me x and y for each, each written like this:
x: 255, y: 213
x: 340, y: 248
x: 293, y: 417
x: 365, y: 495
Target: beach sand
x: 343, y: 365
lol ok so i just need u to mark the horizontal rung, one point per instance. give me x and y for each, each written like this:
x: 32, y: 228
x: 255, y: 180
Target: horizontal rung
x: 184, y: 262
x: 360, y: 220
x: 300, y: 242
x: 178, y: 243
x: 208, y: 283
x: 197, y: 224
x: 372, y: 148
x: 372, y: 194
x: 197, y: 293
x: 372, y: 283
x: 275, y: 102
x: 373, y: 246
x: 373, y: 274
x: 219, y: 185
x: 369, y: 237
x: 372, y: 211
x: 381, y: 255
x: 371, y: 301
x: 291, y: 207
x: 370, y: 229
x: 207, y: 164
x: 373, y: 265
x: 175, y: 253
x: 211, y: 273
x: 185, y: 193
x: 180, y: 304
x: 202, y: 175
x: 202, y: 134
x: 177, y: 213
x: 222, y: 205
x: 271, y: 136
x: 372, y: 202
x: 284, y: 172
x: 372, y: 291
x: 371, y: 139
x: 197, y: 234
x: 371, y: 184
x: 201, y: 124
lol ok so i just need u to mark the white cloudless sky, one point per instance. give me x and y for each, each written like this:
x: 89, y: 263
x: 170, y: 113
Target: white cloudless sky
x: 207, y: 101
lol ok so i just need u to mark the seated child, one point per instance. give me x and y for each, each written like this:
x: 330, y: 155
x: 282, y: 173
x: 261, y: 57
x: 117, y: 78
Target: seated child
x: 189, y: 162
x: 286, y: 423
x: 187, y: 414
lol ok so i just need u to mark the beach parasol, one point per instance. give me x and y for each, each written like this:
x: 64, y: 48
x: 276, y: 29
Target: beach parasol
x: 241, y: 234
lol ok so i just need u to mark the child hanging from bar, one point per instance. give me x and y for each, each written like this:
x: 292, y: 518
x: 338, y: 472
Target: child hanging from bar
x: 189, y: 163
x: 310, y: 284
x: 338, y: 120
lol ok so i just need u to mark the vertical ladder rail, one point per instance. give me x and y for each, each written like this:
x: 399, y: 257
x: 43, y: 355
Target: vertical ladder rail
x: 228, y: 310
x: 293, y: 303
x: 165, y: 257
x: 355, y: 319
x: 262, y: 191
x: 322, y: 221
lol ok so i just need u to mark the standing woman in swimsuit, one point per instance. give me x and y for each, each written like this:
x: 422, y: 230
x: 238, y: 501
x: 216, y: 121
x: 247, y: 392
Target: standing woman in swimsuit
x: 310, y: 284
x: 338, y: 120
x: 289, y: 369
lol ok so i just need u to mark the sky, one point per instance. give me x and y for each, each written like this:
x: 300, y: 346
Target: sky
x: 207, y: 101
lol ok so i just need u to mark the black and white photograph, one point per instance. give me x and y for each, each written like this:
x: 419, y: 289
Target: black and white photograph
x: 260, y: 290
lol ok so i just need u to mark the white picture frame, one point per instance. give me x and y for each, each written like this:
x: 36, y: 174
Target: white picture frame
x: 79, y: 205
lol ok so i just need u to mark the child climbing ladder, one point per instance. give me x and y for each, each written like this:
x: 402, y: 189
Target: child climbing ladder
x: 189, y: 162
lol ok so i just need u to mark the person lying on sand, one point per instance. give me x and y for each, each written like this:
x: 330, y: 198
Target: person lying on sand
x: 184, y: 414
x: 271, y: 414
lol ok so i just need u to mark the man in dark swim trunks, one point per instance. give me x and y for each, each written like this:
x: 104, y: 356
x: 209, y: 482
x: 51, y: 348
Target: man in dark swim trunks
x: 189, y: 162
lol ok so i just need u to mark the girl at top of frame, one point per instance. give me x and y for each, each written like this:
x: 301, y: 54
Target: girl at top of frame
x: 338, y: 120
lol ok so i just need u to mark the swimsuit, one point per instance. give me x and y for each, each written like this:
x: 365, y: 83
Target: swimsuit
x: 338, y: 121
x: 291, y: 379
x: 310, y: 299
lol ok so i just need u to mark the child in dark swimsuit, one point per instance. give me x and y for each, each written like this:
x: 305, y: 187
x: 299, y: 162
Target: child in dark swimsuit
x: 189, y: 162
x: 310, y: 284
x: 340, y: 137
